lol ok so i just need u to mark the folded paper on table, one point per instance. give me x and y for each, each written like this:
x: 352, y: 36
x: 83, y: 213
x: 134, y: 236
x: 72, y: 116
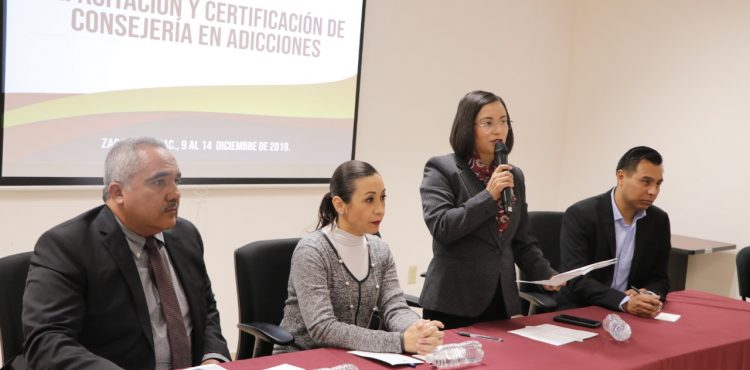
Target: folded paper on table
x: 284, y: 367
x: 392, y: 359
x: 206, y: 367
x: 561, y: 278
x: 671, y: 317
x: 553, y: 334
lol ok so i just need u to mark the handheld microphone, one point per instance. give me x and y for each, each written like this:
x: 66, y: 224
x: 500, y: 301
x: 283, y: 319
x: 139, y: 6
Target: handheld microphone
x: 501, y: 157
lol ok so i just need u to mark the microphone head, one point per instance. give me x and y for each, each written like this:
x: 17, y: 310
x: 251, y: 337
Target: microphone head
x: 501, y: 148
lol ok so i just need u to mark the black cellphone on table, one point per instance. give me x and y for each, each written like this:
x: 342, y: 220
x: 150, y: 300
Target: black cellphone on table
x: 575, y: 320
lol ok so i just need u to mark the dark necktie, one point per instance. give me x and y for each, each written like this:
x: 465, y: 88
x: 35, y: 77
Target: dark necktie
x: 176, y: 333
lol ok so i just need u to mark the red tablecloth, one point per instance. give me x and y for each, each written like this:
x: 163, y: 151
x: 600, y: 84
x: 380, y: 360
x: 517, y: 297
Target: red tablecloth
x: 713, y: 333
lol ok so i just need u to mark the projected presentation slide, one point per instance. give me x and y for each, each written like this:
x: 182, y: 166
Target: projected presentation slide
x: 252, y: 89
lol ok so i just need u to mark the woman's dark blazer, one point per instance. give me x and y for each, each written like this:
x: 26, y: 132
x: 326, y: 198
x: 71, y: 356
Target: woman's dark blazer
x: 470, y: 257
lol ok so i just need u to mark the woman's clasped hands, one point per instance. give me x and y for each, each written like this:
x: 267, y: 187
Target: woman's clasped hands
x: 423, y: 336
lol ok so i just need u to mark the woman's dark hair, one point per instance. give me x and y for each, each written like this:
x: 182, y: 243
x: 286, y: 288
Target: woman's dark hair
x: 631, y: 158
x: 462, y: 133
x: 342, y: 185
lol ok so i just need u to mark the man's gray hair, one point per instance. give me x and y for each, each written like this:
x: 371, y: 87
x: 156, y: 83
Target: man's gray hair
x: 123, y: 160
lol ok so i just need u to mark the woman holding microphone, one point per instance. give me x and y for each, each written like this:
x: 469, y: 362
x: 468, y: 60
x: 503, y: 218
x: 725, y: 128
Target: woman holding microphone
x: 477, y: 237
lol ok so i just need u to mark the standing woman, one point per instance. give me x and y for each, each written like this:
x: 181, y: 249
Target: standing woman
x: 472, y: 277
x: 341, y: 272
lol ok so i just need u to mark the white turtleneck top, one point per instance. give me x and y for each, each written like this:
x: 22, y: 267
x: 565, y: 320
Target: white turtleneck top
x: 352, y: 249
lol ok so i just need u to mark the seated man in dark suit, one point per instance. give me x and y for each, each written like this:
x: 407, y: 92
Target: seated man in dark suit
x: 124, y: 285
x: 622, y: 223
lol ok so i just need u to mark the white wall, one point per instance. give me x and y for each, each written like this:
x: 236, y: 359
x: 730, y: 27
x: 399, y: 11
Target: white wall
x: 672, y: 75
x: 420, y: 59
x: 583, y: 80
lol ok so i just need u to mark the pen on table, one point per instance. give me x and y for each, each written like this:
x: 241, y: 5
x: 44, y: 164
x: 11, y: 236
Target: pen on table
x: 472, y: 335
x: 638, y: 291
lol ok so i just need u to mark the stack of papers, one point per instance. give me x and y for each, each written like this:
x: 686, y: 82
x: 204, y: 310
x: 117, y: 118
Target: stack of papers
x: 553, y: 334
x: 559, y: 279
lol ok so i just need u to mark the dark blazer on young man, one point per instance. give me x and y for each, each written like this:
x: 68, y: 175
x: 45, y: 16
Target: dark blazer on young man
x: 588, y: 236
x: 84, y: 305
x: 470, y: 257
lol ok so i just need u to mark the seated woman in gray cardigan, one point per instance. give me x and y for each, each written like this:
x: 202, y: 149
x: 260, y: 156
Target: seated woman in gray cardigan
x: 341, y: 272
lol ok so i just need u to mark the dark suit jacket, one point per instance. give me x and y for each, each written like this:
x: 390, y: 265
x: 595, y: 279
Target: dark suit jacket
x: 588, y: 236
x: 84, y: 306
x: 469, y: 256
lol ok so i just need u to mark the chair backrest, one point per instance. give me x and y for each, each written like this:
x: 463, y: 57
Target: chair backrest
x: 262, y: 275
x: 13, y: 271
x: 545, y: 226
x: 743, y: 272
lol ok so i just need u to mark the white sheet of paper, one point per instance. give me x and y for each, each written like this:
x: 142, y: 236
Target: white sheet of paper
x: 565, y: 276
x: 207, y: 367
x: 421, y: 357
x: 671, y: 317
x: 285, y: 367
x: 553, y: 334
x: 392, y: 359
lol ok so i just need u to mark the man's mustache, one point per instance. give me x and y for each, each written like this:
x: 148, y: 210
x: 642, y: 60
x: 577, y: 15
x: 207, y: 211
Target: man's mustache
x: 173, y: 204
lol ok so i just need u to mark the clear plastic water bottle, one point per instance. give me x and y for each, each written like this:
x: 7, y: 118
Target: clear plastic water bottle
x: 456, y: 354
x: 617, y: 327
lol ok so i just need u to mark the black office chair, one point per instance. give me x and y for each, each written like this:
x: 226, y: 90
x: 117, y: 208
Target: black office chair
x: 13, y: 271
x: 412, y: 300
x: 743, y: 272
x: 262, y: 274
x: 545, y: 225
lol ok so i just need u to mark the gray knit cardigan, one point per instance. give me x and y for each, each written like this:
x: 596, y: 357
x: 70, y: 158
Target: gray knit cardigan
x: 328, y: 307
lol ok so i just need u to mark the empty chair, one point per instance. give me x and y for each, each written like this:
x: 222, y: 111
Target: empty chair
x: 13, y: 271
x: 743, y: 272
x: 262, y: 275
x: 545, y: 225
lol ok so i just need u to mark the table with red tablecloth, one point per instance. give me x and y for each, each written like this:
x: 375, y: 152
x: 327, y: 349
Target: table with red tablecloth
x: 712, y: 333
